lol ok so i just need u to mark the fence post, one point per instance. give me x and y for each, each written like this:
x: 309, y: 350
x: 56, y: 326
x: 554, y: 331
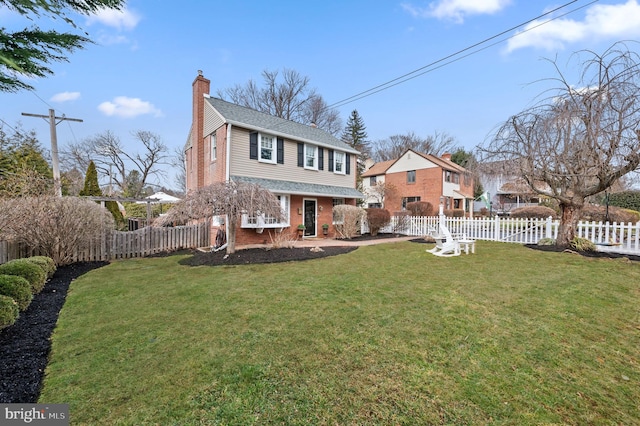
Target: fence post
x: 548, y: 233
x: 496, y: 228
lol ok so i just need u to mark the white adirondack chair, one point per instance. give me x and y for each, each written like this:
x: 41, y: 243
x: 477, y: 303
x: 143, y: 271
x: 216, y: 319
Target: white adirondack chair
x: 446, y: 245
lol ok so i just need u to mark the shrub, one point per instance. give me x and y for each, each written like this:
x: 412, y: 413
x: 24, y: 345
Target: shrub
x: 377, y: 219
x: 547, y: 242
x: 401, y: 222
x: 55, y: 227
x: 534, y: 212
x: 46, y: 263
x: 348, y: 220
x: 8, y: 311
x: 420, y: 208
x: 624, y: 199
x: 596, y: 213
x: 453, y: 212
x: 17, y: 288
x: 582, y: 244
x: 27, y: 270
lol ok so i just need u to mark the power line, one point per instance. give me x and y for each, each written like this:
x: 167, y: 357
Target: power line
x: 410, y: 75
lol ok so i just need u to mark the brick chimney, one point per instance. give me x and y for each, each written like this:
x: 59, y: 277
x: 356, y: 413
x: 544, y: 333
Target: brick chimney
x: 446, y: 156
x: 201, y: 87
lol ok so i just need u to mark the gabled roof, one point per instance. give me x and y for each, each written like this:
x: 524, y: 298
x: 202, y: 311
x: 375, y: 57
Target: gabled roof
x: 255, y: 120
x: 442, y: 162
x: 379, y: 168
x: 382, y: 167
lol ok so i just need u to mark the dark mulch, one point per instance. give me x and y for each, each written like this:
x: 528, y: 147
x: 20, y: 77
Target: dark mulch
x: 597, y: 254
x: 261, y: 255
x: 24, y: 346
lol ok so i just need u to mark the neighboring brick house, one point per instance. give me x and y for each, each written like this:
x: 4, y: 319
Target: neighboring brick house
x: 418, y: 177
x: 308, y: 169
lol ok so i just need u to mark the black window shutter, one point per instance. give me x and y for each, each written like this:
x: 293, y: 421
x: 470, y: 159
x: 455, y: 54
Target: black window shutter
x: 253, y: 146
x: 300, y: 155
x: 280, y: 151
x: 320, y: 158
x: 348, y: 161
x: 330, y: 165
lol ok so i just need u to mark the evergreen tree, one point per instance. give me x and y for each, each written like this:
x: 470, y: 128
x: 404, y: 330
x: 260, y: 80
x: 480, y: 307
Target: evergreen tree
x: 355, y: 135
x: 92, y: 188
x: 29, y: 52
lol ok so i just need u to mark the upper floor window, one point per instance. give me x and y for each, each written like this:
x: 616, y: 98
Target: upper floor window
x: 451, y: 177
x: 214, y: 147
x: 411, y: 176
x: 373, y: 180
x: 310, y: 157
x: 338, y: 159
x: 267, y: 148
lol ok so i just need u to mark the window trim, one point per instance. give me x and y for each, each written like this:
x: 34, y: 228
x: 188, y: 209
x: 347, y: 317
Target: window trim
x: 411, y: 173
x: 336, y: 155
x: 306, y: 157
x: 273, y: 149
x: 214, y: 147
x: 263, y: 221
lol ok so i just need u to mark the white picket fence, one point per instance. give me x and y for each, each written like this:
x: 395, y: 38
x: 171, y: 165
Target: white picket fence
x: 615, y: 237
x: 124, y: 245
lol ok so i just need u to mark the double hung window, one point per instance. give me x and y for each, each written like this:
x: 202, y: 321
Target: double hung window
x: 267, y: 148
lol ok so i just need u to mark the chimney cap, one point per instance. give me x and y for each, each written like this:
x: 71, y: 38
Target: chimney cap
x: 200, y: 73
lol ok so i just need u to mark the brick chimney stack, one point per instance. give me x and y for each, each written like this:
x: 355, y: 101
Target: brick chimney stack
x: 201, y: 87
x: 446, y: 156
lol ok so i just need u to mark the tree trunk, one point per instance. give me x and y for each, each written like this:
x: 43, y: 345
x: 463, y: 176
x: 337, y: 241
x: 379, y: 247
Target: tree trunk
x: 568, y: 224
x: 231, y: 242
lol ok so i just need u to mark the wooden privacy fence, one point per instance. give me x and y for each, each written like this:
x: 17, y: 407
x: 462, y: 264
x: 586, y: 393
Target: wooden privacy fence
x: 124, y: 245
x: 619, y: 237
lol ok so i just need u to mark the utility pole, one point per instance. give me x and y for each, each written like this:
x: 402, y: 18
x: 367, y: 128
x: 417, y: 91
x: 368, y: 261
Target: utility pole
x: 51, y: 119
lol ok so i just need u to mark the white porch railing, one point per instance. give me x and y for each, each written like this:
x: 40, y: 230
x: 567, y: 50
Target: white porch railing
x: 618, y: 237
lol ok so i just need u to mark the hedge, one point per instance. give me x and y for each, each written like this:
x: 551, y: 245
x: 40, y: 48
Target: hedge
x: 8, y: 311
x: 17, y: 288
x: 28, y: 270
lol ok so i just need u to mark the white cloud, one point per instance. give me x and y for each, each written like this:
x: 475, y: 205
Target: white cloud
x: 65, y: 97
x: 125, y: 107
x: 611, y: 21
x: 120, y: 19
x: 456, y: 10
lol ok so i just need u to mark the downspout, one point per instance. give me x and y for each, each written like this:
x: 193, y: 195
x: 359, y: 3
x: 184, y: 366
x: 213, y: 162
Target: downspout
x: 228, y: 174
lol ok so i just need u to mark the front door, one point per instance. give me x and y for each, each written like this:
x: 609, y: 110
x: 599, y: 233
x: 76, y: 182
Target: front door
x: 309, y: 217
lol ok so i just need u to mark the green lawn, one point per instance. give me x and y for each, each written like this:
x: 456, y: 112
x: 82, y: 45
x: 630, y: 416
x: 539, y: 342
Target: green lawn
x: 387, y: 334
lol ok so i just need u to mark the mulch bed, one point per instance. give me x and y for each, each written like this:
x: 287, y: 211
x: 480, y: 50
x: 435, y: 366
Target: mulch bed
x: 25, y: 346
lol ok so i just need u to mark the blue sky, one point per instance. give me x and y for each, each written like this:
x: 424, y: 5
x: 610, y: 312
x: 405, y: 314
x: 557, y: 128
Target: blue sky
x: 138, y: 75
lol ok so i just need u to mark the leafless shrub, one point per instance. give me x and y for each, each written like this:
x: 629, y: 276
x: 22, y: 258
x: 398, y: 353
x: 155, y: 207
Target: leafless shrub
x: 348, y: 220
x: 420, y: 208
x: 539, y: 212
x: 377, y: 219
x: 53, y: 226
x: 282, y: 239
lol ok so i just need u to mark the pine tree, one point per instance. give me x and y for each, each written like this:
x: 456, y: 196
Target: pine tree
x: 355, y: 135
x: 29, y: 53
x: 92, y: 188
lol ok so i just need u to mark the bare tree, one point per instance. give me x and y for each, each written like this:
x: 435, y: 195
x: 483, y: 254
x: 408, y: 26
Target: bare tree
x: 380, y: 191
x: 178, y: 161
x: 287, y: 95
x: 232, y: 199
x: 580, y: 138
x: 394, y: 146
x: 113, y: 160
